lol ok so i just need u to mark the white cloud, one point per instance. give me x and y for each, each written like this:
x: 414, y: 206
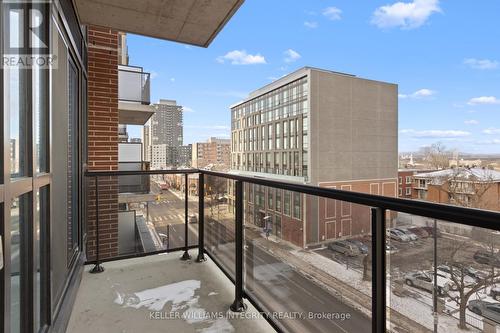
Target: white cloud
x: 483, y: 100
x: 311, y: 24
x: 172, y: 79
x: 291, y: 55
x: 153, y: 75
x: 471, y: 122
x: 421, y: 93
x: 492, y: 130
x: 407, y: 15
x: 435, y: 133
x: 489, y: 142
x: 332, y: 13
x: 241, y: 57
x: 187, y: 109
x: 481, y: 63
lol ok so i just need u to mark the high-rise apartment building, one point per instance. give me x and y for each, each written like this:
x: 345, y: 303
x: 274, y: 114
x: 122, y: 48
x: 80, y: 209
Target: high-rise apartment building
x: 163, y: 137
x: 215, y: 151
x: 321, y: 128
x: 166, y: 124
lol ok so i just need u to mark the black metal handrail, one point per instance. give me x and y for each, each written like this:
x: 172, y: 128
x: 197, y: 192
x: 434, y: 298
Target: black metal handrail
x: 467, y: 216
x: 380, y: 205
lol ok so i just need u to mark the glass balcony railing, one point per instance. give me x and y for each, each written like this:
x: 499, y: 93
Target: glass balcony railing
x: 312, y: 259
x: 133, y: 85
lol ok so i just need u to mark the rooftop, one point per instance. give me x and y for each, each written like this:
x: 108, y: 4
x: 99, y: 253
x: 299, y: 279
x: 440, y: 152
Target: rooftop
x: 464, y: 173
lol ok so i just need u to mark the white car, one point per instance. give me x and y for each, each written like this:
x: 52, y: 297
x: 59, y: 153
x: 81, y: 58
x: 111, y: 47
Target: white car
x: 408, y: 233
x: 425, y: 280
x: 397, y: 235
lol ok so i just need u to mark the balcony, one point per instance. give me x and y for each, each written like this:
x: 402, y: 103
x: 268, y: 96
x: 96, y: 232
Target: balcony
x: 133, y: 95
x: 300, y: 258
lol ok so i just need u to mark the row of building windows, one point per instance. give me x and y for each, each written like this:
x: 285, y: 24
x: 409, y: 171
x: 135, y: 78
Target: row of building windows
x: 279, y: 135
x: 407, y: 180
x: 282, y: 201
x: 281, y: 163
x: 287, y: 94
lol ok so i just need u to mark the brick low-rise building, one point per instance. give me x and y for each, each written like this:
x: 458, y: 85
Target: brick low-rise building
x: 476, y: 187
x: 405, y: 182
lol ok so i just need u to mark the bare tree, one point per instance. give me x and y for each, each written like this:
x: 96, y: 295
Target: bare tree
x: 463, y: 287
x: 466, y: 188
x: 436, y: 155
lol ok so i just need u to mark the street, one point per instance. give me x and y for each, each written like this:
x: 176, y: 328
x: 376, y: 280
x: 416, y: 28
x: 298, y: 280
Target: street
x: 167, y: 216
x: 282, y: 289
x: 276, y: 284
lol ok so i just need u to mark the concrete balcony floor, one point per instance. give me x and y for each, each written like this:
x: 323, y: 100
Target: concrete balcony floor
x: 159, y: 294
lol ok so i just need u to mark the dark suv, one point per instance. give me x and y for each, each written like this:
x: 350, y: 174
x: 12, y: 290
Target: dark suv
x: 487, y: 258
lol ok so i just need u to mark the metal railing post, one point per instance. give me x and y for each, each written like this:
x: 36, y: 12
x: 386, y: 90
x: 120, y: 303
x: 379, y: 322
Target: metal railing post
x: 238, y: 304
x: 201, y: 218
x: 97, y: 268
x: 378, y: 271
x: 185, y: 255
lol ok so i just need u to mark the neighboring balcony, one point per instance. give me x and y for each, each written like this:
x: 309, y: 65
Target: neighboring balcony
x: 134, y: 95
x: 393, y: 264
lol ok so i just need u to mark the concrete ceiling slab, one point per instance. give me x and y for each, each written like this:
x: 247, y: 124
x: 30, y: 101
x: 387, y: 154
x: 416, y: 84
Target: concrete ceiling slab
x: 134, y: 113
x: 195, y: 22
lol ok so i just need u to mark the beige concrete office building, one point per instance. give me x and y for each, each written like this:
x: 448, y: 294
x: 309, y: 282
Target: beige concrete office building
x: 321, y: 128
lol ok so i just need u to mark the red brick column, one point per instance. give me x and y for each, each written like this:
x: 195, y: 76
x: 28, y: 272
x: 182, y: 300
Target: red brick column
x: 103, y: 138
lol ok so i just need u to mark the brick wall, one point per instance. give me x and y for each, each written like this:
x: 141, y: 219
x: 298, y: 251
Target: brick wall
x: 103, y: 138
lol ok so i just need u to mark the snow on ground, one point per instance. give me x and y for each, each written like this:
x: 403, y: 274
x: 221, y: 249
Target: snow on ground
x: 418, y: 309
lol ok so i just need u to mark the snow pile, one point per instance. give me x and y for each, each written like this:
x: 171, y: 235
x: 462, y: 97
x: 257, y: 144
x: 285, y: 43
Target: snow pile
x: 183, y: 298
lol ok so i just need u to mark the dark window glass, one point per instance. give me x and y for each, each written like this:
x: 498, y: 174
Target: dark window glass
x: 72, y: 176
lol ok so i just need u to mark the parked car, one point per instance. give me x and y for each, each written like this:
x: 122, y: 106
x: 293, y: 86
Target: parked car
x: 363, y: 248
x: 495, y: 293
x: 425, y: 280
x: 420, y: 232
x: 487, y: 258
x: 447, y: 272
x: 474, y: 273
x: 408, y: 233
x: 430, y: 231
x: 345, y: 248
x: 397, y: 235
x: 192, y: 218
x: 486, y: 309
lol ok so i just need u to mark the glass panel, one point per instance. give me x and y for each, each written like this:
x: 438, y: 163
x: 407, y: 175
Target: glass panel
x: 219, y: 220
x: 143, y: 213
x: 72, y: 176
x: 19, y: 210
x: 316, y: 267
x: 40, y: 93
x: 41, y: 274
x: 17, y: 106
x: 463, y: 260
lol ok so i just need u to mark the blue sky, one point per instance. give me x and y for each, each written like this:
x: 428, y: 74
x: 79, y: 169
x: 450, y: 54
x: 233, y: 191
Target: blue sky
x: 444, y: 55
